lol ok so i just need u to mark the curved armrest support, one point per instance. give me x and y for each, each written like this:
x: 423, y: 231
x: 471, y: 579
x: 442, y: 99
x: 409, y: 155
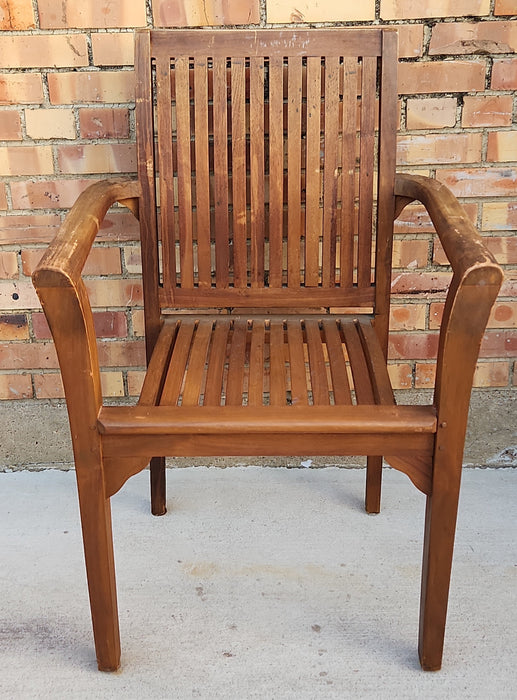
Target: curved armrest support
x: 66, y: 255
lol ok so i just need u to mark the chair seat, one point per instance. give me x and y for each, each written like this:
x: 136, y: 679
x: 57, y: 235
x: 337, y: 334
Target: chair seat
x: 267, y: 361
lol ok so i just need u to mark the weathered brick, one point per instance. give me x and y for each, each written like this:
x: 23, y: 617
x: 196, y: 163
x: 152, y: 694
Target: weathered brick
x: 121, y: 353
x: 133, y: 259
x: 401, y: 375
x: 15, y: 386
x: 10, y: 125
x: 441, y: 76
x: 135, y: 380
x: 30, y: 228
x: 415, y: 149
x: 503, y: 315
x: 8, y: 265
x: 487, y: 110
x: 415, y: 219
x: 48, y: 386
x: 435, y: 315
x: 411, y: 40
x: 42, y: 51
x: 26, y: 160
x: 21, y: 88
x: 408, y: 346
x: 14, y: 327
x: 431, y: 113
x: 420, y: 282
x: 112, y: 384
x: 104, y: 123
x: 50, y: 123
x: 138, y: 322
x: 491, y: 374
x: 3, y: 201
x: 73, y: 88
x: 477, y: 182
x: 47, y: 194
x: 97, y: 158
x: 499, y: 216
x: 425, y: 375
x: 416, y: 9
x: 505, y: 7
x: 16, y: 14
x: 313, y: 11
x: 108, y: 324
x: 410, y: 254
x: 193, y: 13
x: 504, y: 74
x: 100, y: 261
x: 100, y: 14
x: 113, y: 49
x: 18, y: 295
x: 502, y: 146
x: 407, y: 317
x: 114, y: 292
x: 119, y: 227
x: 473, y: 37
x: 499, y: 343
x: 28, y: 356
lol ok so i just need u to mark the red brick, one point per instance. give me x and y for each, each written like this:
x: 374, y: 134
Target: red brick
x: 49, y: 386
x: 473, y: 37
x: 8, y: 265
x: 14, y: 327
x: 122, y: 353
x: 189, y: 13
x: 101, y: 261
x: 16, y: 295
x: 47, y: 194
x: 505, y: 7
x: 3, y: 201
x: 97, y: 158
x: 435, y: 315
x: 119, y: 227
x: 50, y: 123
x: 73, y: 88
x: 411, y: 40
x: 409, y: 253
x: 100, y: 14
x: 499, y: 216
x: 10, y: 125
x: 114, y: 292
x: 499, y: 344
x: 414, y: 219
x: 15, y: 386
x: 104, y: 123
x: 441, y: 76
x: 409, y: 346
x: 307, y: 11
x: 28, y: 356
x: 137, y: 319
x: 28, y: 229
x: 491, y: 374
x: 401, y: 375
x: 431, y: 113
x: 425, y: 375
x: 504, y: 249
x: 416, y: 149
x: 16, y: 14
x: 113, y: 49
x: 26, y: 160
x: 416, y: 9
x: 42, y: 51
x: 21, y: 88
x: 503, y: 315
x: 504, y: 74
x: 420, y: 282
x: 133, y: 259
x: 487, y: 110
x: 135, y: 380
x: 479, y: 182
x: 409, y: 317
x: 502, y: 146
x: 108, y: 324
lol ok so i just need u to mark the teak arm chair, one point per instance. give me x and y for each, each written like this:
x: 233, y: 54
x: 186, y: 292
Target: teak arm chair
x: 266, y: 187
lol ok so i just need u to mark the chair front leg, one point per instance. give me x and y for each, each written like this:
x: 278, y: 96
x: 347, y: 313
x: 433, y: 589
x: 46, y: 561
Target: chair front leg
x: 158, y: 486
x: 373, y: 484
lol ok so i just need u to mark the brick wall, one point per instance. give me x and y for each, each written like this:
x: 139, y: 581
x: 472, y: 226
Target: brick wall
x: 67, y: 119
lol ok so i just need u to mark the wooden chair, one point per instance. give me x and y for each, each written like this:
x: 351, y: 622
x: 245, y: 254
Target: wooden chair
x: 266, y: 196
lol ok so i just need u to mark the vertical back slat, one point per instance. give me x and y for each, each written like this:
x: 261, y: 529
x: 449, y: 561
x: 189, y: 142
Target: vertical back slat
x: 368, y: 94
x: 331, y: 174
x: 165, y: 167
x: 348, y: 145
x: 222, y: 257
x: 294, y: 125
x: 238, y: 87
x: 312, y: 173
x: 202, y: 171
x: 276, y: 169
x: 184, y: 171
x: 257, y: 170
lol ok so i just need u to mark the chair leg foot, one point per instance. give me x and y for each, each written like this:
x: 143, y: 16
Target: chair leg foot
x: 373, y: 484
x: 100, y: 570
x: 158, y: 486
x: 440, y: 525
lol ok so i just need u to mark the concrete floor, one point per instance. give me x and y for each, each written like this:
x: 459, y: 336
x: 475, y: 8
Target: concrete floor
x: 258, y: 583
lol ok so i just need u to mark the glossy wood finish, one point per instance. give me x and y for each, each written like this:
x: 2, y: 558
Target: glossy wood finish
x: 266, y: 186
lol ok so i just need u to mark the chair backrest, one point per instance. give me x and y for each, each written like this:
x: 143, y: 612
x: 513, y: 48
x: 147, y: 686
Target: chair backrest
x: 267, y: 160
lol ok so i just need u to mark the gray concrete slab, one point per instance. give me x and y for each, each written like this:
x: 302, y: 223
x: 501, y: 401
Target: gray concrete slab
x: 258, y: 583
